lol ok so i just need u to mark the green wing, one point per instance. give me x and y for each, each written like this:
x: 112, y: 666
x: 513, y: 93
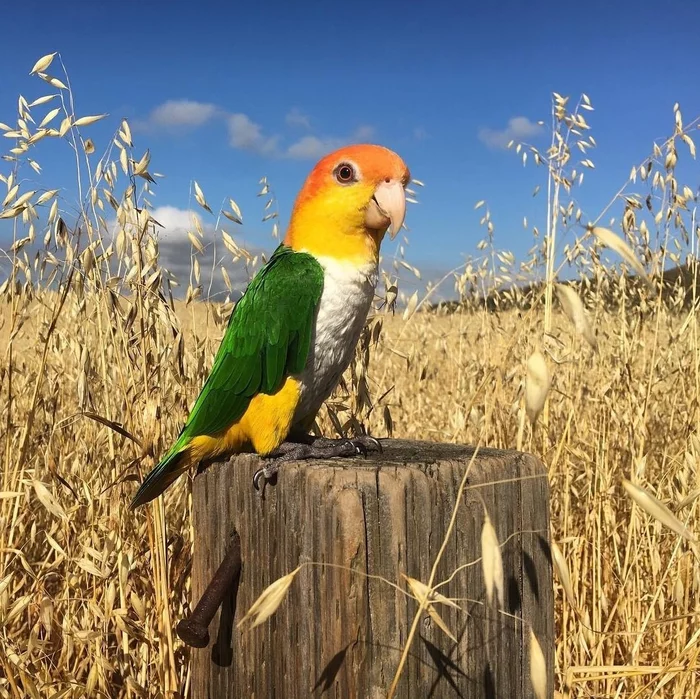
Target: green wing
x: 267, y: 339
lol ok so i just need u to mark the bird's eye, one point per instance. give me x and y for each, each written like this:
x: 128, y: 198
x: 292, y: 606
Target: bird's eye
x: 345, y: 173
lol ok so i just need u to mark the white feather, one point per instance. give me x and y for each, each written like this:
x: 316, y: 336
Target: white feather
x: 348, y: 291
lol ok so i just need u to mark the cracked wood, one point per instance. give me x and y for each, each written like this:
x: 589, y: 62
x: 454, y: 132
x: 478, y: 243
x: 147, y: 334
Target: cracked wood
x: 339, y: 633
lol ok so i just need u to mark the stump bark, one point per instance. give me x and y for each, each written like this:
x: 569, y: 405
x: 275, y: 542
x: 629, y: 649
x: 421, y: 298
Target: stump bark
x: 340, y: 633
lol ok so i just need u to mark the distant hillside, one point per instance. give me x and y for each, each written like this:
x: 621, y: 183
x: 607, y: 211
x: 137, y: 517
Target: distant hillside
x: 679, y: 285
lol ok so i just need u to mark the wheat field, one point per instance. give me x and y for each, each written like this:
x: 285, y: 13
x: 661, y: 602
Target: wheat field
x: 100, y: 361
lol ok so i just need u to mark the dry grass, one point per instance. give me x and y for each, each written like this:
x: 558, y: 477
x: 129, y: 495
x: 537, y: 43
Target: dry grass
x: 89, y: 592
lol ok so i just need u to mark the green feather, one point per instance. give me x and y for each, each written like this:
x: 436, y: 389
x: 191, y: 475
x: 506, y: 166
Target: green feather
x: 267, y: 339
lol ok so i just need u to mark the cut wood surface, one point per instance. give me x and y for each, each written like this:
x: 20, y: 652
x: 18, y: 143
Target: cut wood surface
x: 340, y: 633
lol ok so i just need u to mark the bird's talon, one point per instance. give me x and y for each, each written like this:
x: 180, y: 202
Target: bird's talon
x: 260, y: 473
x: 265, y: 475
x: 321, y: 449
x: 377, y: 444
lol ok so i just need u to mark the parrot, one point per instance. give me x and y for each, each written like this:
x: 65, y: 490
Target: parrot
x: 293, y: 332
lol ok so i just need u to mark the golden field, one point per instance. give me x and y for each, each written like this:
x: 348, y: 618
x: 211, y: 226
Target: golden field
x: 99, y: 366
x: 90, y: 591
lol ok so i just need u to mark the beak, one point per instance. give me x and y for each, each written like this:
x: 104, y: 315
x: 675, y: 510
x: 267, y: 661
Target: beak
x: 387, y: 208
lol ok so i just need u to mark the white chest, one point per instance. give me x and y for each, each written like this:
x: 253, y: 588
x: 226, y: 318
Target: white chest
x: 345, y: 303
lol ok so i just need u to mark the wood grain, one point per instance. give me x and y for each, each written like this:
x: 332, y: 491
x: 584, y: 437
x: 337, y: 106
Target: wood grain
x: 339, y: 633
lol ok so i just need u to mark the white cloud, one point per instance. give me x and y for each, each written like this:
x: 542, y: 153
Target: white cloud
x: 176, y: 222
x: 315, y: 147
x: 310, y: 147
x: 245, y: 134
x: 518, y: 128
x: 364, y: 133
x: 295, y: 117
x: 181, y: 114
x: 176, y: 252
x: 419, y: 133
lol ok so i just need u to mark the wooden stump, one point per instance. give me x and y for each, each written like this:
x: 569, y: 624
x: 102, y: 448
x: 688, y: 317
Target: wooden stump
x: 339, y: 633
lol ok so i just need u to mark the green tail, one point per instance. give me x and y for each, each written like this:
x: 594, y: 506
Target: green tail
x: 160, y: 477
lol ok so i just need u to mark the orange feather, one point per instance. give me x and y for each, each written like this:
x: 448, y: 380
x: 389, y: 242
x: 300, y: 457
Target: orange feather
x: 328, y: 219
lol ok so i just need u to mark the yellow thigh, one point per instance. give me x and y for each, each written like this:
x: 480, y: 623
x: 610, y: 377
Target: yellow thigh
x: 267, y: 421
x: 264, y: 426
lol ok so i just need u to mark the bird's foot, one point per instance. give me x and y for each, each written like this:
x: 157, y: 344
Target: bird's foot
x: 320, y: 448
x: 364, y: 443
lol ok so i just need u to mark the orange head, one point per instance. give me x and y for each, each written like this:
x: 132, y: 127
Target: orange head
x: 348, y: 202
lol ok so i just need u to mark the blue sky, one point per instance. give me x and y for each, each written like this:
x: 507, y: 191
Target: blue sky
x: 225, y: 93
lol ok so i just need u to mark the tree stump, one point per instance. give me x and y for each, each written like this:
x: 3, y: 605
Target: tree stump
x: 340, y: 633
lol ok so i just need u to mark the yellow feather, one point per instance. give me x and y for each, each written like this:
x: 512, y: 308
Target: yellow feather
x: 263, y: 426
x: 332, y: 224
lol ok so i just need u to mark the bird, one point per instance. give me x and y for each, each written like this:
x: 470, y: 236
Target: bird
x: 293, y: 332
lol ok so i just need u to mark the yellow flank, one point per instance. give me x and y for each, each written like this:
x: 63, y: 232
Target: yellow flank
x: 263, y: 427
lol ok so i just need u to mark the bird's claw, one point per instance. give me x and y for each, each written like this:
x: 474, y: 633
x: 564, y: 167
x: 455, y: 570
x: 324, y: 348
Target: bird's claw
x: 361, y: 445
x: 321, y: 448
x: 372, y: 441
x: 360, y: 448
x: 264, y: 475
